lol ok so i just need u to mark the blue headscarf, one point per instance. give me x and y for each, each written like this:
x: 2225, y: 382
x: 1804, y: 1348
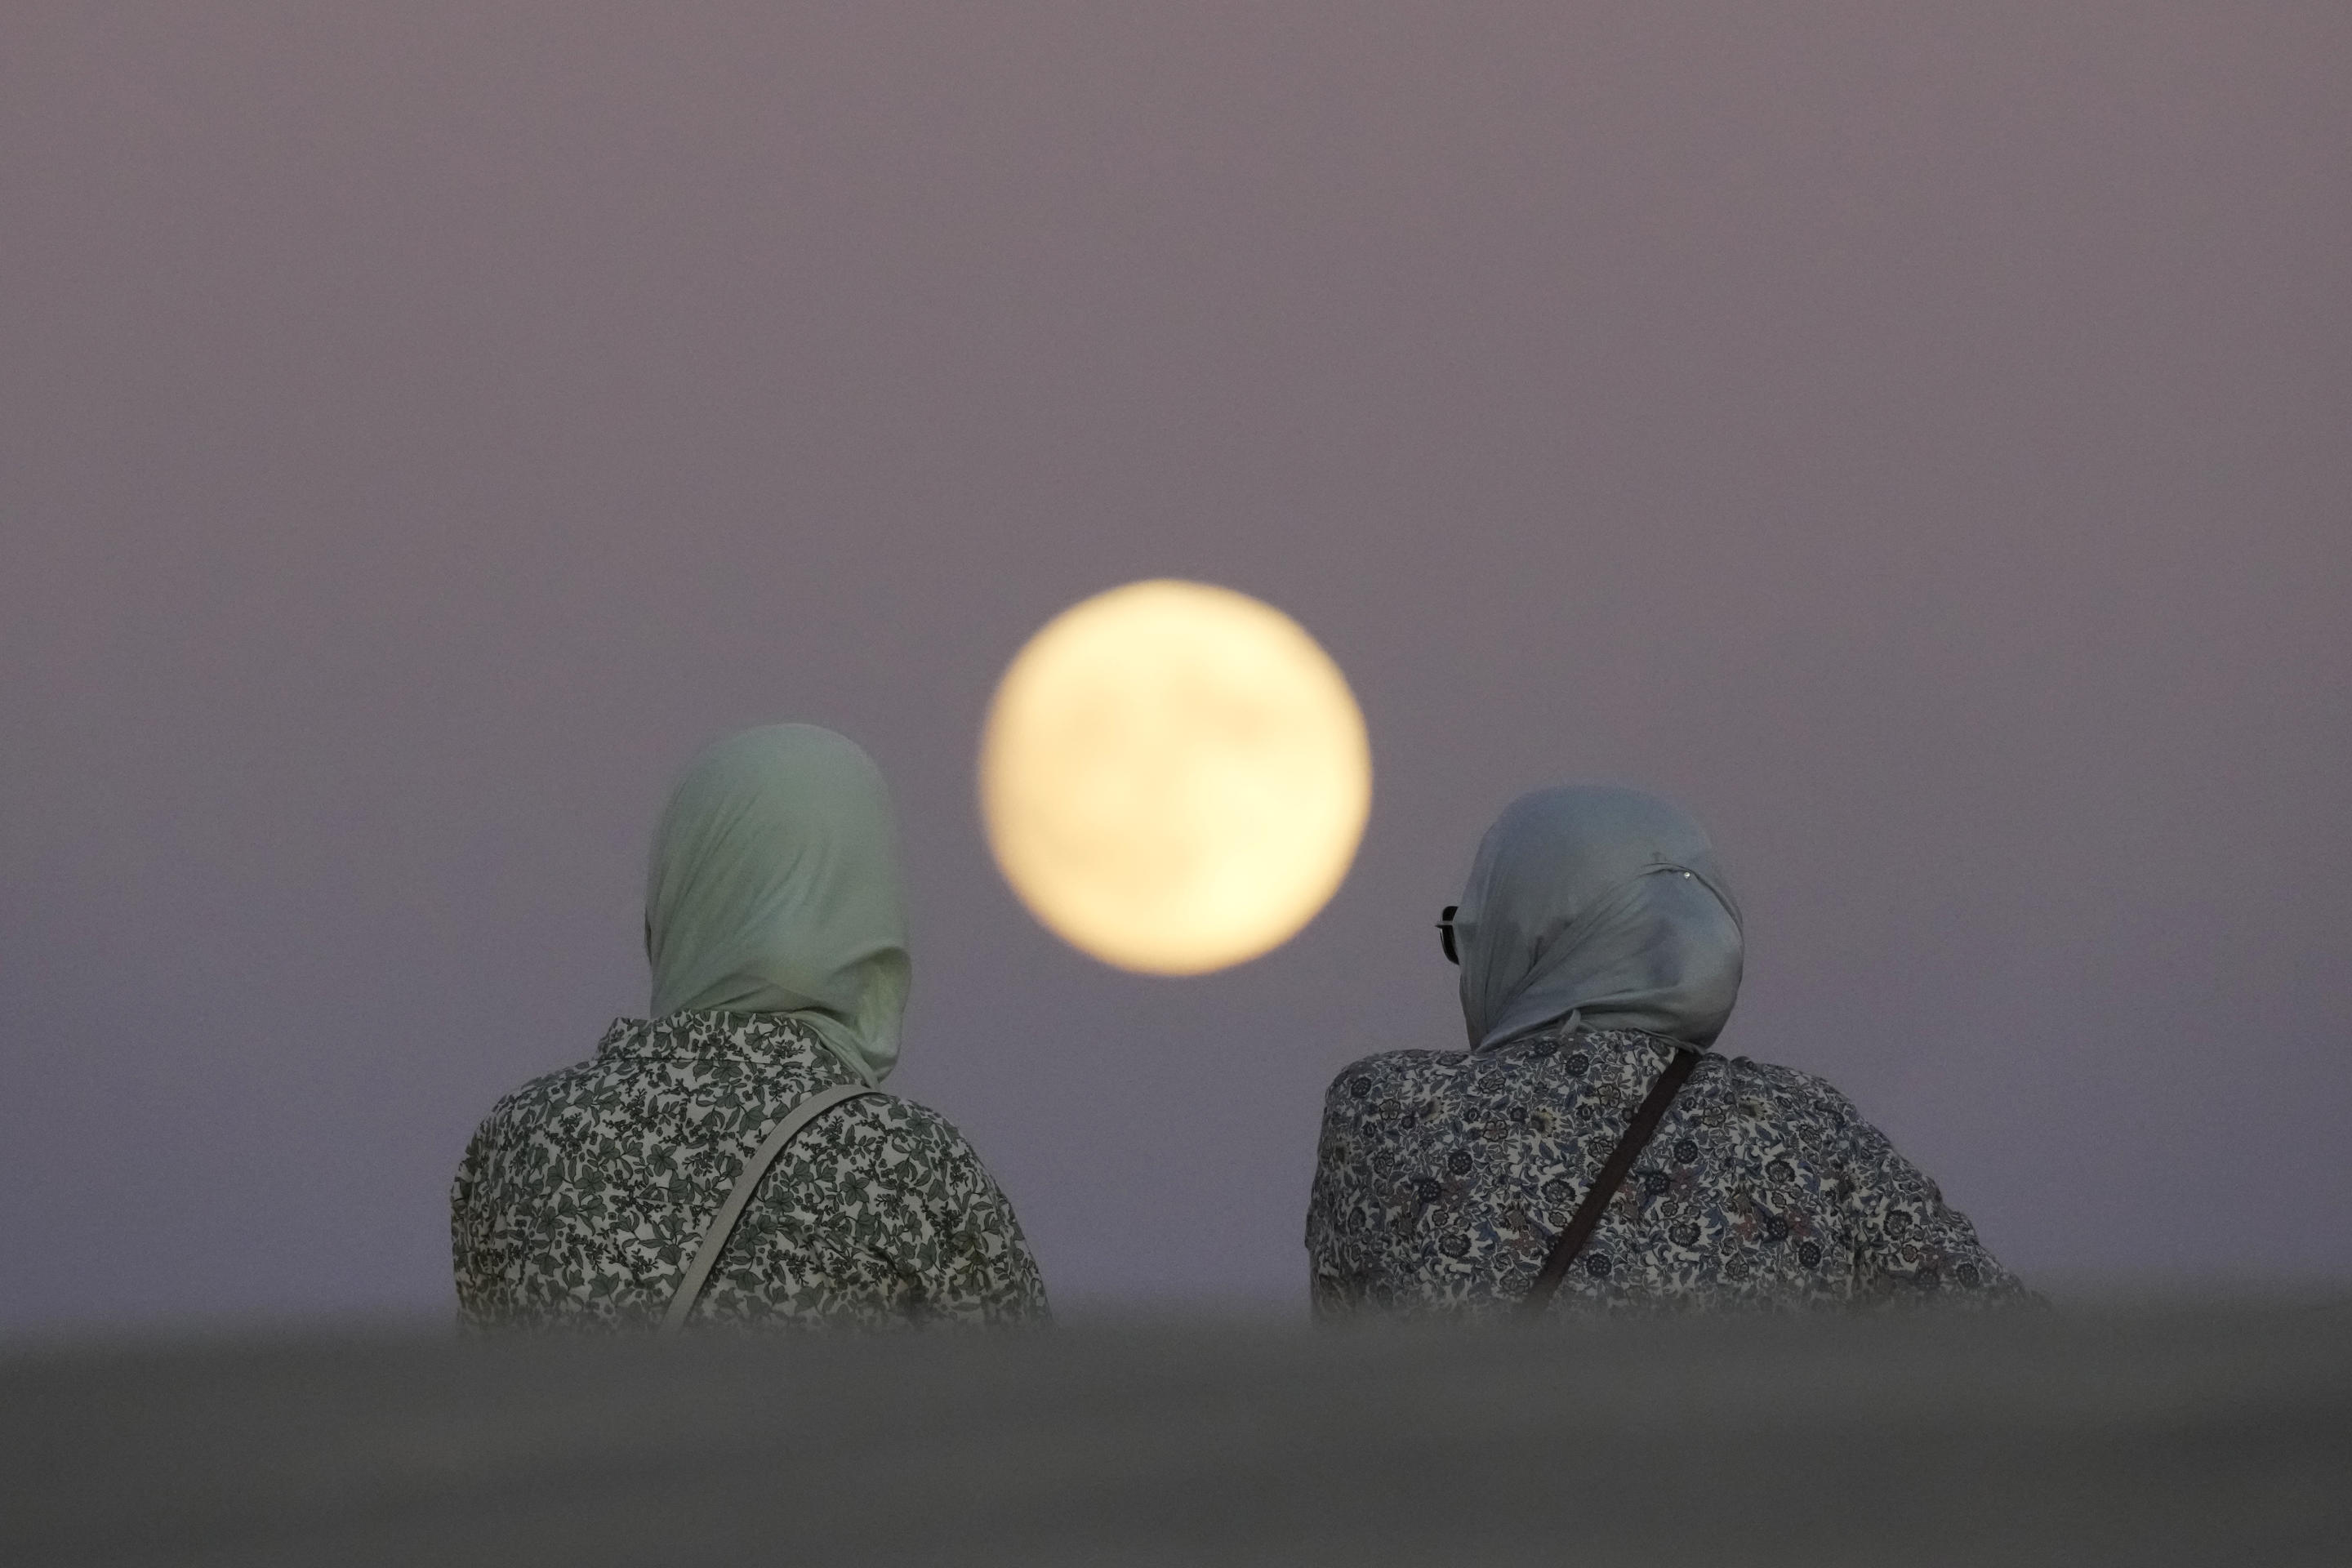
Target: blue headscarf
x: 1604, y: 902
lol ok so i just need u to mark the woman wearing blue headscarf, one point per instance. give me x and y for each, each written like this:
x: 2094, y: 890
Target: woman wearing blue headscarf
x: 1590, y: 1149
x: 731, y: 1158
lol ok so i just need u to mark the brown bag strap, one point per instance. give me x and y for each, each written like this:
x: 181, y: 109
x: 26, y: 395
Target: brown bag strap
x: 1587, y: 1218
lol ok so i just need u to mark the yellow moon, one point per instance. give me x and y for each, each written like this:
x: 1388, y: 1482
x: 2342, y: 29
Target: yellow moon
x: 1174, y: 776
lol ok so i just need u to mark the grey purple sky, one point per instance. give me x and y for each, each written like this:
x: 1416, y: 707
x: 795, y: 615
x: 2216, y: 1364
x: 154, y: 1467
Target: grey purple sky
x: 1918, y: 437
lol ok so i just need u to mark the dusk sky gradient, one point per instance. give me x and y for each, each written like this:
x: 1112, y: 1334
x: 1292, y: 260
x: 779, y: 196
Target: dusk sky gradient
x: 1916, y: 437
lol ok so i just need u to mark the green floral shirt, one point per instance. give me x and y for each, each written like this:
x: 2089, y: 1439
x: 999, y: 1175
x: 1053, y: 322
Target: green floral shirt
x: 1444, y: 1178
x: 585, y: 1195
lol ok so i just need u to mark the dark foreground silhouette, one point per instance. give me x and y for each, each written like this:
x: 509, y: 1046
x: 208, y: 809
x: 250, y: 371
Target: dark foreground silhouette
x: 2191, y: 1435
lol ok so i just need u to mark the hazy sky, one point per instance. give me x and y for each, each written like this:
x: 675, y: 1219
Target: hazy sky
x: 1915, y: 436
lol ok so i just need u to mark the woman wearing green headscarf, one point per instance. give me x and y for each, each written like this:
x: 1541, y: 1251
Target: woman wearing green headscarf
x: 732, y: 1158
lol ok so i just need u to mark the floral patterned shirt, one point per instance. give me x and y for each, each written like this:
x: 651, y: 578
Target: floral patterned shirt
x: 1443, y: 1178
x: 584, y: 1194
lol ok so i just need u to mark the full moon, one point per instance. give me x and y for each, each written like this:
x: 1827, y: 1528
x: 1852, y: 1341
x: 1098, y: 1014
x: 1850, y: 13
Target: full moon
x: 1174, y: 776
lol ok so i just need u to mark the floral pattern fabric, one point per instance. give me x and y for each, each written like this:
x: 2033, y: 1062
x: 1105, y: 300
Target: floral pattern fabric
x: 585, y: 1195
x: 1443, y: 1178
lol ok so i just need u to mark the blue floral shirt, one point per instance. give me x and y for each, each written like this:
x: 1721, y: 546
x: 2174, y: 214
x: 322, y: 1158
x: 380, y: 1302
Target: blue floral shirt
x: 1443, y: 1178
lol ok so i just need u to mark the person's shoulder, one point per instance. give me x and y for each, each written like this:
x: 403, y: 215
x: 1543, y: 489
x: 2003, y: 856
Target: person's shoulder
x: 1376, y: 1077
x: 1786, y: 1089
x: 899, y: 1133
x: 603, y: 1075
x: 547, y: 1095
x: 879, y: 1111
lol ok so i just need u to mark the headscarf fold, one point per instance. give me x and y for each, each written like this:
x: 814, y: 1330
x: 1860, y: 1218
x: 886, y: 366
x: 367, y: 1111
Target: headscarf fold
x: 774, y: 887
x: 1604, y: 902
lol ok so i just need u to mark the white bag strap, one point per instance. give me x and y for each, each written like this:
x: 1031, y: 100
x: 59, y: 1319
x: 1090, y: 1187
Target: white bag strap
x: 722, y: 1225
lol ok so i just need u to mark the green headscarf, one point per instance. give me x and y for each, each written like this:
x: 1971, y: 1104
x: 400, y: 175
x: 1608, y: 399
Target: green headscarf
x: 774, y: 888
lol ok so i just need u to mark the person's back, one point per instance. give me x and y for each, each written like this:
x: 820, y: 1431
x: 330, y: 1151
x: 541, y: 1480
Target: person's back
x: 1598, y: 942
x: 585, y: 1193
x: 627, y: 1189
x: 1444, y: 1177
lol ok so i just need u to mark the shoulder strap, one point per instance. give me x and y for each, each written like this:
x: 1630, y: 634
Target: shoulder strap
x: 1587, y: 1217
x: 723, y: 1224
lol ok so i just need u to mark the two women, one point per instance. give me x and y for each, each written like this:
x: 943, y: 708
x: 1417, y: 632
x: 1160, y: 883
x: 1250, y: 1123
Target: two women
x: 731, y: 1158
